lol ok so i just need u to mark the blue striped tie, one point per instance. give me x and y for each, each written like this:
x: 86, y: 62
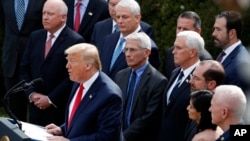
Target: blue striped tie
x: 117, y: 51
x: 20, y: 12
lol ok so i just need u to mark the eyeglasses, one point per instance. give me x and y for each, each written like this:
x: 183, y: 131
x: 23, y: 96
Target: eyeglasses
x: 131, y: 50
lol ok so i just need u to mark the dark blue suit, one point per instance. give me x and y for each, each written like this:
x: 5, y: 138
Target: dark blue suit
x: 98, y: 116
x: 104, y: 28
x: 96, y: 10
x: 234, y: 64
x: 146, y: 109
x: 106, y: 52
x: 52, y: 70
x: 175, y: 116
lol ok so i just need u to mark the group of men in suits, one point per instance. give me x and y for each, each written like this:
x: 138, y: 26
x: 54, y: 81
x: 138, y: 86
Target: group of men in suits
x: 152, y: 101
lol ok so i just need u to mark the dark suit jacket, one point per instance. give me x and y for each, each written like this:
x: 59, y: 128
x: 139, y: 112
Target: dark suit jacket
x: 146, y: 107
x: 234, y: 65
x: 97, y: 10
x: 190, y: 130
x: 52, y: 70
x: 175, y: 115
x: 15, y: 40
x: 169, y: 64
x: 98, y: 116
x: 104, y: 28
x: 106, y: 52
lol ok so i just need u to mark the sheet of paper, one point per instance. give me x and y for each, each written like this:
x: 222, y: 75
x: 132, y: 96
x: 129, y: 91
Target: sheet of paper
x: 35, y: 132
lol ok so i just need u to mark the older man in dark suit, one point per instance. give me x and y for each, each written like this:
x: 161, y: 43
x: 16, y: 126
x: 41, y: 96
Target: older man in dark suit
x: 98, y: 114
x: 44, y: 57
x: 17, y: 28
x: 109, y: 26
x: 142, y: 99
x: 188, y: 46
x: 128, y: 18
x: 188, y: 20
x: 91, y: 11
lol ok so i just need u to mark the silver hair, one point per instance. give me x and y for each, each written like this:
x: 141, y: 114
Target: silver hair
x: 131, y: 4
x: 142, y: 38
x: 232, y: 97
x: 193, y: 40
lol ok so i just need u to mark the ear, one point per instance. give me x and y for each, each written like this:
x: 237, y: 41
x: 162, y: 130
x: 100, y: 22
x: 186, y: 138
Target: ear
x: 232, y: 33
x: 225, y: 113
x: 211, y: 85
x: 193, y: 52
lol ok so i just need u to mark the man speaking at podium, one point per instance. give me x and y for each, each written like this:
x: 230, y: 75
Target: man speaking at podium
x: 95, y: 104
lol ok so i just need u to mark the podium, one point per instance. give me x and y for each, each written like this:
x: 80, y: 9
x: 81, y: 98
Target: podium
x: 10, y: 132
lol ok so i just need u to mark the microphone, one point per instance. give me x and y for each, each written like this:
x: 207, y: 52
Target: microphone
x: 25, y: 86
x: 17, y: 88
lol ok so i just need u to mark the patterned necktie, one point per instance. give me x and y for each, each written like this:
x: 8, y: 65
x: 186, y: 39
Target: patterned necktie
x: 117, y: 51
x: 77, y: 102
x: 177, y: 85
x: 20, y: 12
x: 130, y: 99
x: 221, y: 55
x: 77, y: 16
x: 116, y: 28
x: 48, y: 45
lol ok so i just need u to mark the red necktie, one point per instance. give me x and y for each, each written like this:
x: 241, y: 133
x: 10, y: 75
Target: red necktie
x: 48, y: 45
x: 76, y: 103
x: 77, y: 16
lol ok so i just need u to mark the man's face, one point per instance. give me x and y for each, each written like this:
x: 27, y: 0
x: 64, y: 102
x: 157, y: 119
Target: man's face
x: 112, y: 4
x: 216, y: 110
x: 220, y: 34
x: 75, y: 67
x: 135, y: 55
x: 53, y: 19
x: 181, y: 52
x: 184, y: 24
x: 197, y: 80
x: 127, y: 22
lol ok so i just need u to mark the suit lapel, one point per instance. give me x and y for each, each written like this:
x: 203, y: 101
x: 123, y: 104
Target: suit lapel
x: 144, y: 78
x: 90, y: 11
x: 183, y: 86
x: 91, y: 94
x: 231, y: 56
x: 62, y: 36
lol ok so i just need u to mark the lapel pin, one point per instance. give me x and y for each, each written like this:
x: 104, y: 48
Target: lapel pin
x: 90, y: 13
x: 90, y: 96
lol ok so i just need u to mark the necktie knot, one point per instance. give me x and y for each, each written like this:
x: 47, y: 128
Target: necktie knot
x: 221, y: 55
x: 48, y: 45
x: 20, y: 12
x: 116, y: 28
x: 77, y: 16
x: 117, y: 51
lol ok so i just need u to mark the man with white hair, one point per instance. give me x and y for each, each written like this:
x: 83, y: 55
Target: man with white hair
x: 142, y: 95
x: 188, y: 46
x: 227, y: 108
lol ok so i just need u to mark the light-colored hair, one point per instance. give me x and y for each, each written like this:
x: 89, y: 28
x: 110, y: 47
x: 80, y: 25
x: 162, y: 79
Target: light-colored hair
x: 193, y: 40
x: 131, y: 4
x: 60, y: 4
x: 88, y: 53
x: 233, y: 98
x: 142, y: 38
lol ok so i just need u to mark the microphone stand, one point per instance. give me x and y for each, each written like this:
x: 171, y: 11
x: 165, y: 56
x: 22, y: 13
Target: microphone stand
x: 7, y: 103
